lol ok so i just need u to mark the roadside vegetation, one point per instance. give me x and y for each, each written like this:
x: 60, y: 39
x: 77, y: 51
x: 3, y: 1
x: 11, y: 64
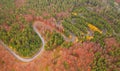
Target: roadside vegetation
x: 55, y: 40
x: 89, y: 20
x: 16, y: 32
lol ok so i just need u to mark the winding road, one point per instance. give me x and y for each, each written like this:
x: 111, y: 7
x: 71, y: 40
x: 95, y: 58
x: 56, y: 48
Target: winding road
x: 27, y: 59
x: 40, y: 50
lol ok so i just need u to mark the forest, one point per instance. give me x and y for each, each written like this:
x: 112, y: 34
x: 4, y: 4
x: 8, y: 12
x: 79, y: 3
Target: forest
x: 88, y: 20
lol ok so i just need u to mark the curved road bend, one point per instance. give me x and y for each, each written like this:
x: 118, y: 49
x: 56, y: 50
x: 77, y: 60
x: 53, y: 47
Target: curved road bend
x: 72, y: 39
x: 41, y: 49
x: 27, y: 59
x: 68, y: 39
